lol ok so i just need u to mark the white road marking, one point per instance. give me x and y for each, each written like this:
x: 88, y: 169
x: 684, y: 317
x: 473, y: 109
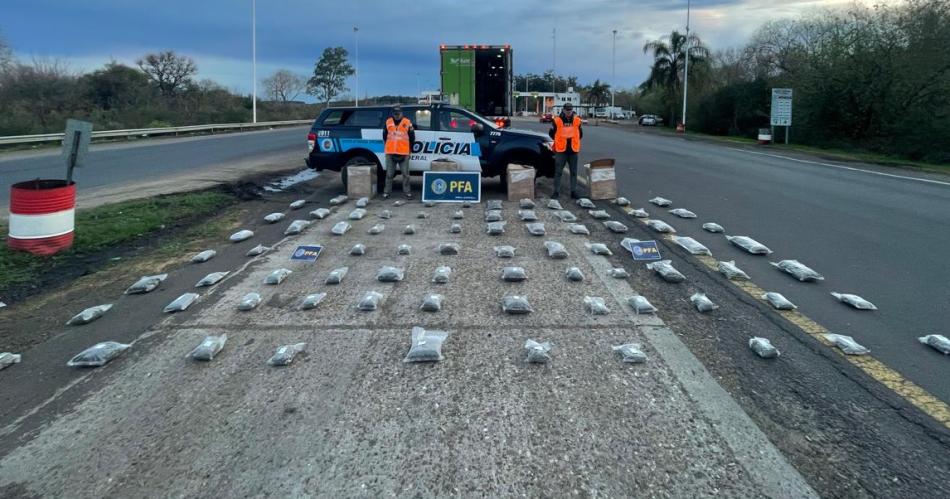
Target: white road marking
x: 904, y: 177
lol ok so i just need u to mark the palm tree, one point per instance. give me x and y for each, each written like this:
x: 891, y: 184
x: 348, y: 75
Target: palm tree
x: 598, y: 92
x: 669, y: 57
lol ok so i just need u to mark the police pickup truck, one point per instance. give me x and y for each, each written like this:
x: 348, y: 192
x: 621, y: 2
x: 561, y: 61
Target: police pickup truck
x: 346, y: 136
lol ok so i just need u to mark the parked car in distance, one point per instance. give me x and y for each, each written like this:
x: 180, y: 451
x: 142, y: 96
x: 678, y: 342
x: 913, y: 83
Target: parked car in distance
x: 650, y: 120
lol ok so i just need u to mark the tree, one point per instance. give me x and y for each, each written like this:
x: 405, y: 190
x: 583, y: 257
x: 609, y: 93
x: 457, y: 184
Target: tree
x: 669, y: 59
x: 6, y: 55
x: 46, y: 90
x: 169, y: 71
x: 329, y: 74
x: 598, y: 92
x: 560, y: 84
x: 284, y: 85
x: 116, y: 86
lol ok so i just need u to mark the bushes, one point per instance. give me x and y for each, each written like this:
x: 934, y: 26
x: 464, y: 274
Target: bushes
x: 874, y: 79
x: 40, y: 96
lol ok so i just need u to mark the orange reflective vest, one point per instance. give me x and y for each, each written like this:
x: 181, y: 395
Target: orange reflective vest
x: 397, y: 137
x: 563, y: 132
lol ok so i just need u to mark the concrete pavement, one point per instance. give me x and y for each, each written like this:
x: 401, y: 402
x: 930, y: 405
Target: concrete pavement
x: 350, y: 419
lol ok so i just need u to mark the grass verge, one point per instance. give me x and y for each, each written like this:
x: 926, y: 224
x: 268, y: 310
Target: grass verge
x: 111, y: 227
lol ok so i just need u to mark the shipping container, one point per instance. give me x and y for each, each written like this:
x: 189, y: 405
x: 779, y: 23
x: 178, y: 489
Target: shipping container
x: 478, y: 78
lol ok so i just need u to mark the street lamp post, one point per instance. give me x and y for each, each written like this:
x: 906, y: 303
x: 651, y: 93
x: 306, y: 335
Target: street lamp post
x: 356, y: 33
x: 554, y: 60
x: 686, y: 67
x: 613, y: 73
x: 254, y: 60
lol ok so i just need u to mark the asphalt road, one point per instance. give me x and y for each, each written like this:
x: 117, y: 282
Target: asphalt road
x: 481, y: 422
x: 874, y: 235
x: 877, y: 236
x: 124, y: 163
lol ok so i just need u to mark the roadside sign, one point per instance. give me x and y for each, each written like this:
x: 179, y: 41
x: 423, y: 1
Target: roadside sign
x: 645, y: 251
x: 75, y: 145
x: 307, y: 253
x: 781, y: 107
x: 76, y: 142
x: 451, y: 187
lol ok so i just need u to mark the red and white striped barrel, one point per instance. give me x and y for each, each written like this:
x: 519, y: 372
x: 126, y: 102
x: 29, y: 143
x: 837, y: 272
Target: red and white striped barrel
x: 42, y: 216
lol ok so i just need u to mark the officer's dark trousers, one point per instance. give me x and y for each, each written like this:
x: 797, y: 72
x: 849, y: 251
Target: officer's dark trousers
x: 569, y: 157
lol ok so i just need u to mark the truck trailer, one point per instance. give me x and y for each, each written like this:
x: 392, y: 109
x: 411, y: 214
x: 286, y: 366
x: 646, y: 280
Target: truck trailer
x: 479, y: 78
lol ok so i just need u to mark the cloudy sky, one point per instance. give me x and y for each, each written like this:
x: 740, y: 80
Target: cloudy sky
x: 398, y: 41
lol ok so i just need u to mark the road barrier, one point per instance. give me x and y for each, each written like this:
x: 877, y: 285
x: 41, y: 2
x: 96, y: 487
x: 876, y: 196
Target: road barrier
x: 148, y: 132
x: 42, y: 216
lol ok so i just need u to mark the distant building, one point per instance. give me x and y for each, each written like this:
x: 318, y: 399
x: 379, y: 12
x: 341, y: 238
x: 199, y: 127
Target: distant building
x: 552, y: 102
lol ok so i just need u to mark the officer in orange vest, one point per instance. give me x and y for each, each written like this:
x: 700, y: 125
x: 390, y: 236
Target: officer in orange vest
x: 398, y: 136
x: 567, y: 134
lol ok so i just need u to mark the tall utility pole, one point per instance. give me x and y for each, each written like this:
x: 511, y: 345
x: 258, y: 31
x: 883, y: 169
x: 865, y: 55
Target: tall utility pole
x: 686, y: 67
x: 613, y: 73
x: 254, y: 60
x: 554, y: 60
x: 356, y: 33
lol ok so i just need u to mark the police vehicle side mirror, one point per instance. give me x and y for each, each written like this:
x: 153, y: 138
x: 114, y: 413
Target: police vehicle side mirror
x: 478, y: 129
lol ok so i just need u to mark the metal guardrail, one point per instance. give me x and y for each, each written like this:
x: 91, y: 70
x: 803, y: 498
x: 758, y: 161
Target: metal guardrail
x: 148, y: 132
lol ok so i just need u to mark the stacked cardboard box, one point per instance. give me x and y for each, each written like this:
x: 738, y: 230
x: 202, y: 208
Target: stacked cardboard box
x: 601, y: 179
x: 520, y: 182
x: 443, y: 165
x: 360, y: 181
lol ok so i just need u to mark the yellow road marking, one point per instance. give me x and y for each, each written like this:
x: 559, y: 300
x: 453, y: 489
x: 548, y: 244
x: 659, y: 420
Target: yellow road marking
x: 874, y: 368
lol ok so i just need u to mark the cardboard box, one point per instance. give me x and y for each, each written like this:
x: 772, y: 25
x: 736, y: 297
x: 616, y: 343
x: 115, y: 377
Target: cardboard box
x: 443, y: 165
x: 601, y: 179
x: 360, y: 181
x: 520, y: 182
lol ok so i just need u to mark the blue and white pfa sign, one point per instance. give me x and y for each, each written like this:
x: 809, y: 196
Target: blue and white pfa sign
x: 644, y: 250
x: 452, y: 187
x: 306, y: 253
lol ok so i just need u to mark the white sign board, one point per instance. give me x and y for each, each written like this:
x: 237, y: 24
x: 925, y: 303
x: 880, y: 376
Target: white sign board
x: 781, y: 107
x: 76, y: 140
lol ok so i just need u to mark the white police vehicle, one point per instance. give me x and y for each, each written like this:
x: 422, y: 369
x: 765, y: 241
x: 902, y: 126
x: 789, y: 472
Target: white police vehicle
x: 345, y: 136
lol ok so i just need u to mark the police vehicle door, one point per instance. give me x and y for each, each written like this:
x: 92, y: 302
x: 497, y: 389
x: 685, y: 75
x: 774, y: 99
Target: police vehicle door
x: 440, y: 139
x: 484, y: 136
